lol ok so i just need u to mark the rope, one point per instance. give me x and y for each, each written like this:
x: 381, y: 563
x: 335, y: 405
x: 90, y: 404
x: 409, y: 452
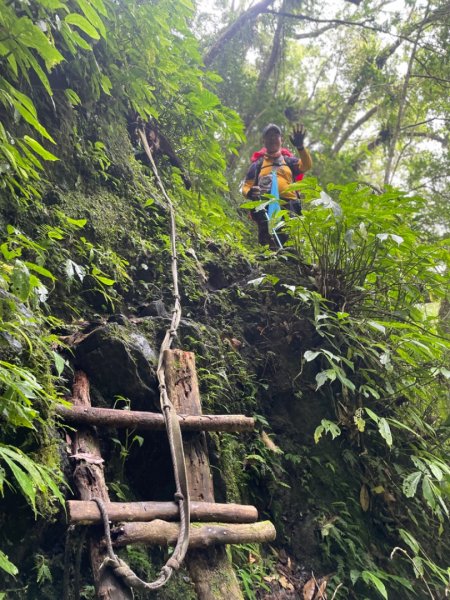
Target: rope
x: 119, y: 567
x: 170, y: 415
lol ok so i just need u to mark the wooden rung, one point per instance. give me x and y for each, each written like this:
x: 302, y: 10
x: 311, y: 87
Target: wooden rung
x: 162, y: 533
x: 87, y: 512
x: 110, y: 417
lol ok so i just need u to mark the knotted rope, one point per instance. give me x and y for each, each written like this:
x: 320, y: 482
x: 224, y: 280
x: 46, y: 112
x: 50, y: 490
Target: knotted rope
x: 119, y: 567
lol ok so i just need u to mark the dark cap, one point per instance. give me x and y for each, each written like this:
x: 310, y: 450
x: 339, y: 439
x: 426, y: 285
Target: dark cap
x: 271, y: 127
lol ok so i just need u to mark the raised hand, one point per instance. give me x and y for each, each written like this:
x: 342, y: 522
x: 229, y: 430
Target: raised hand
x: 298, y: 136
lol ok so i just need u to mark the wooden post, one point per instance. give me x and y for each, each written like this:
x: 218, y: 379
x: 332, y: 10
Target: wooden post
x: 210, y: 570
x: 201, y: 535
x: 90, y: 482
x: 88, y: 513
x: 110, y: 417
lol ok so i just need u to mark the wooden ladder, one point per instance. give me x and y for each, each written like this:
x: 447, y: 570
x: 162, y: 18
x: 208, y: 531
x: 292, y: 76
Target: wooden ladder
x: 154, y: 522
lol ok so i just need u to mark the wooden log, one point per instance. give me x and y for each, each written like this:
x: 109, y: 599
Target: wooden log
x: 87, y: 513
x: 211, y: 570
x: 109, y: 417
x: 90, y: 482
x: 163, y: 533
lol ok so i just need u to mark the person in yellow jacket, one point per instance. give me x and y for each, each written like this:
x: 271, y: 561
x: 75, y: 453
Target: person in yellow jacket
x: 288, y: 168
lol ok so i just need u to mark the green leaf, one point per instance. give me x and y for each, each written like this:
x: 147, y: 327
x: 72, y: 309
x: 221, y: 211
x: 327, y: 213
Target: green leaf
x: 410, y: 540
x: 370, y: 578
x: 83, y: 24
x: 323, y: 376
x: 418, y: 566
x: 327, y: 427
x: 310, y: 355
x: 354, y: 576
x: 40, y: 270
x: 60, y: 363
x: 7, y: 565
x: 253, y: 204
x: 428, y: 492
x: 92, y: 15
x: 105, y: 280
x: 36, y: 146
x: 25, y: 482
x: 385, y: 431
x: 371, y: 414
x: 20, y: 281
x: 72, y: 97
x: 410, y: 484
x: 80, y: 223
x: 106, y: 84
x: 377, y: 326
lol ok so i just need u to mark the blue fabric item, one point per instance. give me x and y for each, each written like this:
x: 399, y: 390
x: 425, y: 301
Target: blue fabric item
x: 273, y: 206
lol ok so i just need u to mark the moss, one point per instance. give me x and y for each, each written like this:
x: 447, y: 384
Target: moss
x: 109, y: 217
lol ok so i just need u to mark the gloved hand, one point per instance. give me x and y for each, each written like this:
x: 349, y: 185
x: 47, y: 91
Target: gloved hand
x: 254, y: 193
x: 298, y: 136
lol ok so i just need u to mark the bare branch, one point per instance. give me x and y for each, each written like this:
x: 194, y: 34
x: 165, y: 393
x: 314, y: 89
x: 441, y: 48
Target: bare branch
x: 438, y: 80
x: 332, y: 22
x: 229, y: 32
x: 311, y: 34
x: 390, y: 168
x: 356, y: 125
x: 361, y: 84
x: 425, y: 122
x: 273, y: 58
x: 430, y: 136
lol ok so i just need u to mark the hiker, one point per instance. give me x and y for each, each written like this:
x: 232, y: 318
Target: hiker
x: 288, y: 168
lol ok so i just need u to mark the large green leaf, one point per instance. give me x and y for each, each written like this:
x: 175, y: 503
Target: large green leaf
x: 83, y: 24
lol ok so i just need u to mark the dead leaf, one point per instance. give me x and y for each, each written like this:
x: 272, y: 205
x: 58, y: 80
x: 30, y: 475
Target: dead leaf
x: 251, y: 558
x: 269, y: 443
x: 200, y: 268
x: 309, y: 589
x: 321, y: 595
x: 388, y: 497
x: 364, y: 497
x: 285, y: 584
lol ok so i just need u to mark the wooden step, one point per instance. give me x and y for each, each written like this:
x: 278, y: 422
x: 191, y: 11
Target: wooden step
x: 142, y: 420
x: 163, y: 533
x: 87, y: 512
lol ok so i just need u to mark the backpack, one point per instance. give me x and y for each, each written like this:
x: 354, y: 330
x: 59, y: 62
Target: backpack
x: 258, y: 157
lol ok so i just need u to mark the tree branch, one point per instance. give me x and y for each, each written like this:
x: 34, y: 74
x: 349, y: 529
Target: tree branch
x: 437, y: 79
x: 311, y: 34
x: 389, y: 173
x: 360, y: 85
x: 332, y: 22
x: 356, y: 125
x: 266, y: 71
x: 229, y: 32
x: 430, y: 136
x: 425, y: 122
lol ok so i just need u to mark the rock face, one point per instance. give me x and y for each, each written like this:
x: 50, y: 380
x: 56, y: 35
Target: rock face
x: 120, y: 362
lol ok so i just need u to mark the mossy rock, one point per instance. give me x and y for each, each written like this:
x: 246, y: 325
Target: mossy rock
x: 120, y: 361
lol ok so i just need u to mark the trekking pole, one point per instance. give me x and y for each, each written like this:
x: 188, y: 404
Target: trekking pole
x: 273, y: 232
